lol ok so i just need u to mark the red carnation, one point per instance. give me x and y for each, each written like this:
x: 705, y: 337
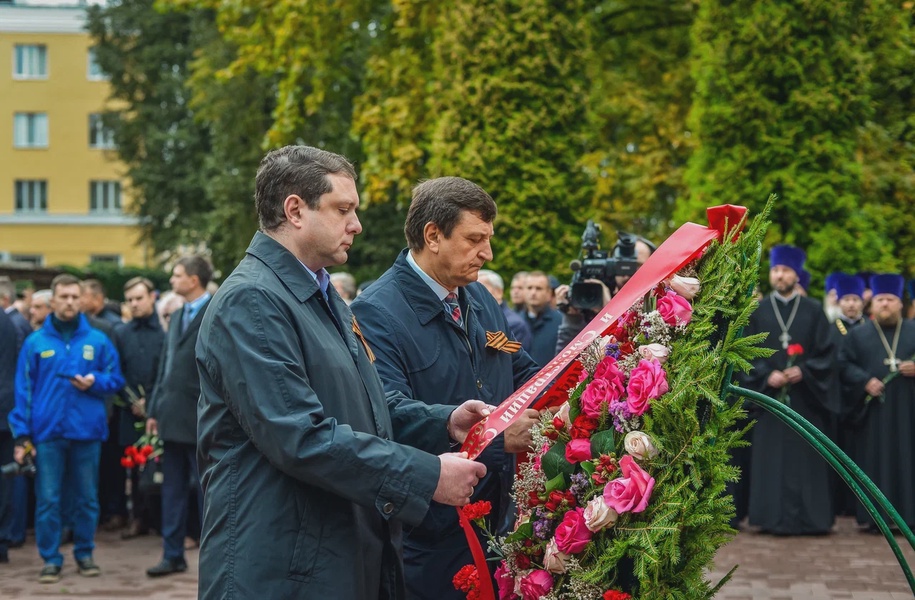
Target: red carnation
x: 147, y: 450
x: 616, y: 595
x: 583, y: 426
x: 127, y: 462
x: 467, y: 580
x: 795, y: 350
x: 477, y: 510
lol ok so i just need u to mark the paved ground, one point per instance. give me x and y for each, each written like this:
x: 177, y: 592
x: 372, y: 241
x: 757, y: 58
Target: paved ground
x: 845, y: 565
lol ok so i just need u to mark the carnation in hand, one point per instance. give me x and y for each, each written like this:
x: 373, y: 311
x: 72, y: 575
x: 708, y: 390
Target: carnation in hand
x: 598, y: 515
x: 675, y: 309
x: 639, y: 445
x: 647, y: 381
x: 631, y: 492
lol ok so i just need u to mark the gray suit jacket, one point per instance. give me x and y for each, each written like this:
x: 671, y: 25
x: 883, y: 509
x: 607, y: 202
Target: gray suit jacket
x: 174, y: 401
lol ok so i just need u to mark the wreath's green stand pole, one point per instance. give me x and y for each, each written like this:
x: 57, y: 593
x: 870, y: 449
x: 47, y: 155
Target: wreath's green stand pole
x: 860, y: 484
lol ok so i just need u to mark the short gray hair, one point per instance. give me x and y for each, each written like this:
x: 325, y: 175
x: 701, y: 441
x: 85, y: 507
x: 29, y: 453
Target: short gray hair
x: 44, y: 295
x: 494, y: 279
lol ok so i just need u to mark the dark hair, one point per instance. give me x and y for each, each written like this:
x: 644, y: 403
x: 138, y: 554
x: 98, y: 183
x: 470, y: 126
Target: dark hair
x: 64, y: 279
x: 300, y: 170
x: 442, y: 201
x: 199, y: 266
x: 94, y: 286
x: 141, y: 281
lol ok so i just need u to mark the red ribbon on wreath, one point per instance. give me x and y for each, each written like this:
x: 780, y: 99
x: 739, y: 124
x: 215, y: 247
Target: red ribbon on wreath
x: 551, y: 385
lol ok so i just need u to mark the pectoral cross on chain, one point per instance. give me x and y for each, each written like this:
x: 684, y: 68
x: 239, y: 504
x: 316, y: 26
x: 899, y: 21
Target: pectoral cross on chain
x: 785, y: 337
x: 893, y: 363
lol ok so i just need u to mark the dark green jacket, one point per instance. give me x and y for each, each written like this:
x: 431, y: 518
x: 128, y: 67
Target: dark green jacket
x: 304, y: 491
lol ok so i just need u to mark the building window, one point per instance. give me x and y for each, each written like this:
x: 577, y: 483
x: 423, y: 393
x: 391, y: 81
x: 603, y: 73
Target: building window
x: 105, y: 259
x: 99, y: 135
x: 105, y: 196
x: 31, y: 196
x: 93, y: 70
x: 33, y: 260
x: 30, y: 61
x: 30, y: 130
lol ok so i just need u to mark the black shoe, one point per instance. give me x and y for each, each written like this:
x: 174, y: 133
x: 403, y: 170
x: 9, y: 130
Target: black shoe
x: 88, y: 568
x: 167, y: 567
x: 49, y: 574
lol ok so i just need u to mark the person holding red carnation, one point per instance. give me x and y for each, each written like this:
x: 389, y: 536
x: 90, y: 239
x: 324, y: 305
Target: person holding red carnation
x: 789, y: 491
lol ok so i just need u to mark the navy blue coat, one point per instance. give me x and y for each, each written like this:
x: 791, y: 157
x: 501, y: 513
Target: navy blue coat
x: 8, y: 356
x: 545, y: 330
x: 423, y: 353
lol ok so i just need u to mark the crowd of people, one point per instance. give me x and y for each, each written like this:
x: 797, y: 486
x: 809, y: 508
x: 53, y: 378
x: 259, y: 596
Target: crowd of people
x: 320, y: 421
x: 82, y: 379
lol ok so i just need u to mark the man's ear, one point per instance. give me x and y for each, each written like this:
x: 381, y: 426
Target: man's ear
x: 293, y: 206
x: 432, y: 236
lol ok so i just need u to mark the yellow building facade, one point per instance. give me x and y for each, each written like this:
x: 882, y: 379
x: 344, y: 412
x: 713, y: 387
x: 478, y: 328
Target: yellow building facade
x: 63, y: 194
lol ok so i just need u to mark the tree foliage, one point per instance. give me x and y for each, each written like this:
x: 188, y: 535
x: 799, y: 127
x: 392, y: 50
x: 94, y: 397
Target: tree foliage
x: 636, y: 114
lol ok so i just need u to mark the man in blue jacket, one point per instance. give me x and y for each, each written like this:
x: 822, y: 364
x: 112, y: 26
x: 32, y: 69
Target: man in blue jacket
x: 65, y: 371
x: 438, y: 337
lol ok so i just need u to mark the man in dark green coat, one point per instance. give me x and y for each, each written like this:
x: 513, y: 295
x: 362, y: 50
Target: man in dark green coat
x: 304, y: 486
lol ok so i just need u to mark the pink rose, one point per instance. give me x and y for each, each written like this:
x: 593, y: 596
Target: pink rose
x: 598, y: 392
x: 572, y: 535
x: 675, y: 309
x: 578, y: 450
x: 505, y: 582
x: 555, y: 561
x: 608, y: 371
x: 629, y: 492
x: 536, y: 584
x: 646, y: 382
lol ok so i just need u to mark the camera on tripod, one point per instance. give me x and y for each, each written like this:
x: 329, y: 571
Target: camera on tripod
x: 594, y: 263
x: 26, y: 467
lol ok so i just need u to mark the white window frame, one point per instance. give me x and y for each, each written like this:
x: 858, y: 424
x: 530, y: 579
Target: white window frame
x: 105, y: 197
x: 30, y: 196
x: 103, y: 136
x: 93, y: 70
x: 35, y: 260
x: 30, y: 130
x: 40, y: 57
x: 106, y: 259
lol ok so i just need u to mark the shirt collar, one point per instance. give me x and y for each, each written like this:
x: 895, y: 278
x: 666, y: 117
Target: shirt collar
x: 195, y: 305
x: 439, y: 289
x: 322, y: 278
x: 783, y: 299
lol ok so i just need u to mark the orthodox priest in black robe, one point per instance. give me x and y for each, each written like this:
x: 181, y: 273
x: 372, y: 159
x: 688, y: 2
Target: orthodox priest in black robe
x: 885, y: 448
x: 789, y: 480
x: 849, y: 292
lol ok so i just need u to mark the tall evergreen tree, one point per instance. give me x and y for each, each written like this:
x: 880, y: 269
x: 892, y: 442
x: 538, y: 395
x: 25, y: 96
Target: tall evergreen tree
x: 780, y: 91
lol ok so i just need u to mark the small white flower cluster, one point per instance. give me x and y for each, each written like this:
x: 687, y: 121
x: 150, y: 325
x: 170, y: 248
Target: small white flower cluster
x: 592, y: 355
x: 655, y: 329
x: 529, y: 479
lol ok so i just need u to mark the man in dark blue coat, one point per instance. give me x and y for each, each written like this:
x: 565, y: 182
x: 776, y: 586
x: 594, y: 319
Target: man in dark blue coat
x: 139, y: 343
x: 305, y: 483
x: 437, y: 333
x: 8, y: 337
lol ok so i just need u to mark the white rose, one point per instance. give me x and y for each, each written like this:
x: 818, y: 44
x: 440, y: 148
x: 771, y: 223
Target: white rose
x: 555, y: 561
x: 687, y: 287
x: 639, y: 445
x: 658, y: 351
x: 598, y: 515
